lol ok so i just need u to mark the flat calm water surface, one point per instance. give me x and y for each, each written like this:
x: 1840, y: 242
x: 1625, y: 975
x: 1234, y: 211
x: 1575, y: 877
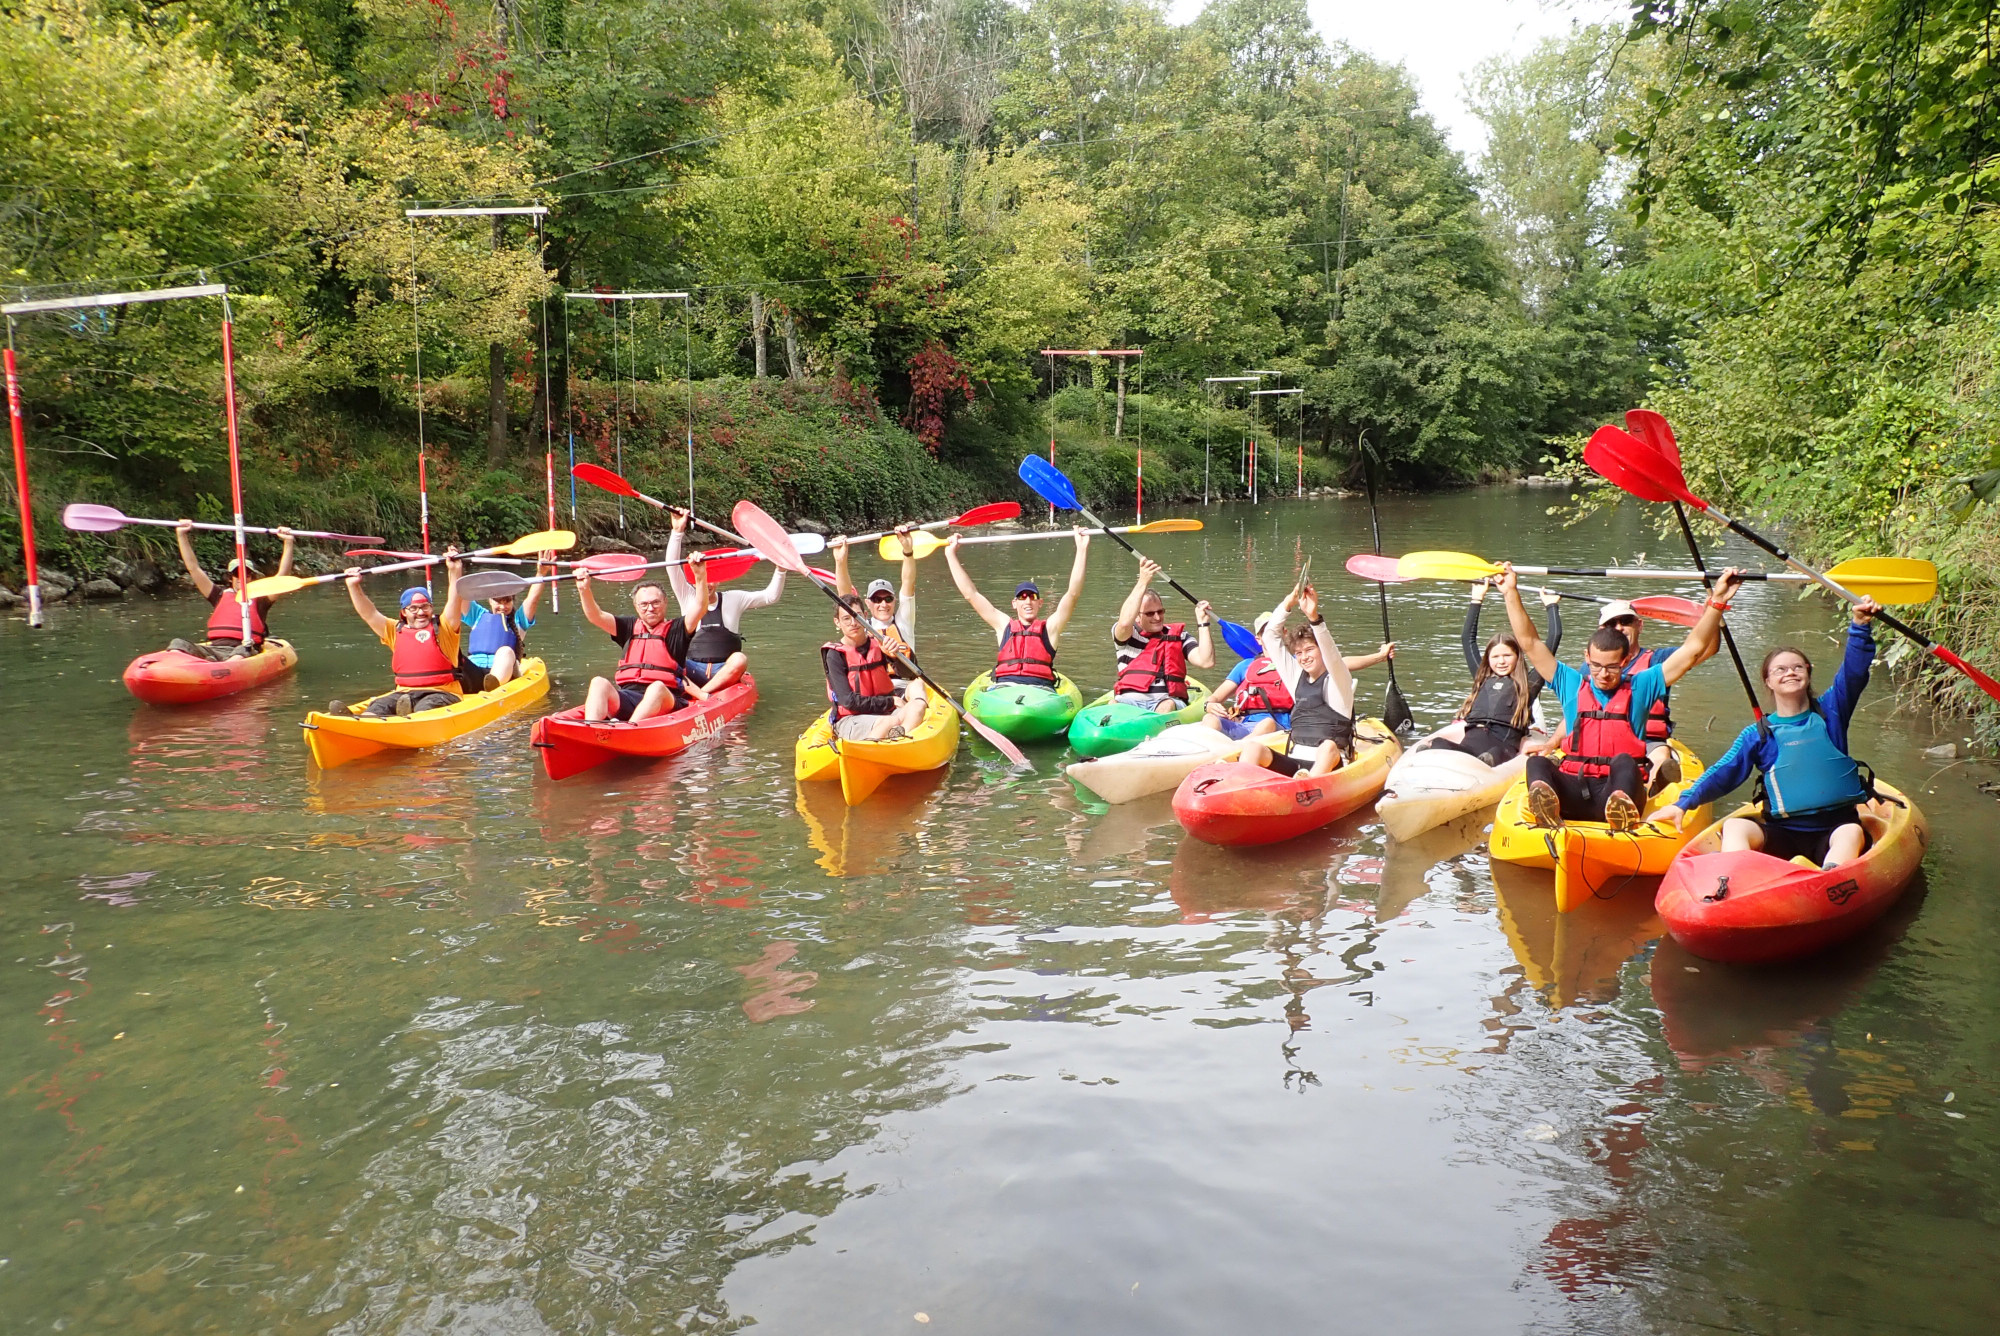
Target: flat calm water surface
x: 431, y: 1044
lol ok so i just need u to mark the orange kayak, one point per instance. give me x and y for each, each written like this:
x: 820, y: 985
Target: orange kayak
x: 1236, y: 803
x: 169, y: 677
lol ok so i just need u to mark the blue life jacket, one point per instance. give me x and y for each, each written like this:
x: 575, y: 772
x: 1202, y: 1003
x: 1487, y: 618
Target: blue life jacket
x: 490, y: 634
x: 1810, y: 774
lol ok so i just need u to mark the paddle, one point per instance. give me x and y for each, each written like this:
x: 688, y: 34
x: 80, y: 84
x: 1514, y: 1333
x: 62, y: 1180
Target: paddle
x: 1653, y: 428
x: 1889, y: 580
x: 1642, y: 470
x: 1050, y: 484
x: 991, y: 513
x: 86, y: 518
x: 1395, y: 710
x: 495, y: 584
x: 806, y: 544
x: 770, y: 538
x: 924, y: 544
x: 1380, y: 569
x: 546, y: 540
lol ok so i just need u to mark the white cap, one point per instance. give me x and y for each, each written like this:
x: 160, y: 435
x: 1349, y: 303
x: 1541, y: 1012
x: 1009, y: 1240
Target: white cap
x: 1263, y: 620
x: 1615, y: 609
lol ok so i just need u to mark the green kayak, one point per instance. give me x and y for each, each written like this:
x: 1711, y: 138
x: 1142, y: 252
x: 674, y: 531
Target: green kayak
x: 1023, y: 713
x: 1105, y: 729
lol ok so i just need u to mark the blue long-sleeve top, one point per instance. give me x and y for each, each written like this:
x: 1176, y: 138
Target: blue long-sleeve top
x: 1756, y: 752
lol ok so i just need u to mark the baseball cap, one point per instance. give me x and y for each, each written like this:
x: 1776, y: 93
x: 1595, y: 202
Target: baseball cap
x: 415, y: 592
x: 880, y: 587
x: 1027, y: 587
x: 1615, y: 609
x: 1263, y: 620
x: 246, y: 563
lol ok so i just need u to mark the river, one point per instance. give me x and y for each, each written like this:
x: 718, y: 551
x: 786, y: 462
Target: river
x: 435, y: 1045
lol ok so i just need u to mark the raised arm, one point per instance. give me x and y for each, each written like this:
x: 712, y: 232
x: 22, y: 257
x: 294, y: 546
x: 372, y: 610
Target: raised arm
x: 980, y: 604
x: 683, y: 591
x: 843, y: 584
x: 454, y: 566
x: 533, y: 600
x: 366, y: 611
x: 1204, y: 636
x: 1067, y: 604
x: 586, y: 598
x: 1552, y: 608
x: 183, y: 538
x: 764, y: 597
x: 1356, y: 662
x: 285, y: 557
x: 909, y: 582
x: 1339, y: 682
x: 1702, y: 641
x: 1128, y: 611
x: 691, y: 616
x: 1540, y: 657
x: 1468, y: 636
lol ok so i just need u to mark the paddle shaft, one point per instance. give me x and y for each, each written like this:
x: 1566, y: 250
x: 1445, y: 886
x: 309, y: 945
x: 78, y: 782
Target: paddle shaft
x: 252, y: 528
x: 1394, y: 704
x: 1728, y: 639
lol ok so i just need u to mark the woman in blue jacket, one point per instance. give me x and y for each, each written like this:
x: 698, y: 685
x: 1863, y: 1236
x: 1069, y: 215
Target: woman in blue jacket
x: 1811, y: 787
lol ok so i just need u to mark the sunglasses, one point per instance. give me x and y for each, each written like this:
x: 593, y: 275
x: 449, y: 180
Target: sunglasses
x: 881, y: 598
x: 1623, y: 622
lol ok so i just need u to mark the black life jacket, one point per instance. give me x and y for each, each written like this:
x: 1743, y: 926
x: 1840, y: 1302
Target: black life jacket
x: 1314, y: 721
x: 713, y: 641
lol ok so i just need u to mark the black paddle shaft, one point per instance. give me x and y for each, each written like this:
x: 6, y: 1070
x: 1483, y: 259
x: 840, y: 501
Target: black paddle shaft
x: 1708, y: 583
x: 1394, y: 704
x: 1786, y: 557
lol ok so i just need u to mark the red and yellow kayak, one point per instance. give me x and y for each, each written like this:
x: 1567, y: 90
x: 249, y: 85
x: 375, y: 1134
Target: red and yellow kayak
x: 1236, y: 803
x: 569, y: 745
x: 169, y: 677
x: 1749, y: 908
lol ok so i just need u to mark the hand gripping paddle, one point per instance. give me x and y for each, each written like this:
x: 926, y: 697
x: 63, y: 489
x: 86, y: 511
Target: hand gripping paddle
x: 769, y: 537
x: 924, y: 544
x: 1053, y: 487
x: 85, y: 518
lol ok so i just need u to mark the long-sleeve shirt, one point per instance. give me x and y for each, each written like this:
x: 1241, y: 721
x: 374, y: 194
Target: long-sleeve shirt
x: 1337, y: 685
x: 1756, y: 751
x: 843, y: 691
x: 734, y: 602
x: 1469, y: 640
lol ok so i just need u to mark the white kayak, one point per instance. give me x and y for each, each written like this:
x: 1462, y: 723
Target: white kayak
x: 1160, y: 763
x: 1432, y: 785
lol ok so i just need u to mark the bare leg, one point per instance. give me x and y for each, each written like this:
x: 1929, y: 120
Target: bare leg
x: 656, y: 700
x: 602, y: 702
x: 1328, y: 761
x: 1740, y: 834
x: 1845, y: 846
x: 506, y: 664
x: 1254, y: 753
x: 728, y: 674
x: 1265, y: 725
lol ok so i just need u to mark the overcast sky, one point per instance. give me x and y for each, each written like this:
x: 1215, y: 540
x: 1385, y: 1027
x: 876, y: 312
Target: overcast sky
x: 1440, y: 41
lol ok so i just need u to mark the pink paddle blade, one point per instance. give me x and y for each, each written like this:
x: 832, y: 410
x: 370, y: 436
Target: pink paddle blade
x: 767, y: 536
x: 1668, y: 608
x: 86, y: 518
x: 991, y: 513
x: 1368, y: 566
x: 724, y: 566
x: 378, y: 552
x: 620, y: 567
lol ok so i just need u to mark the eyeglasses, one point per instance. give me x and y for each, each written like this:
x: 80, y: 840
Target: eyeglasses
x: 1152, y: 612
x: 1791, y: 670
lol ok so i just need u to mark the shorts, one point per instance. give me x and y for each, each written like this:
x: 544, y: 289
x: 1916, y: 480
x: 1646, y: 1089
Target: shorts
x: 1301, y: 760
x: 858, y: 727
x: 421, y: 699
x: 1810, y: 835
x: 1146, y: 700
x: 630, y: 694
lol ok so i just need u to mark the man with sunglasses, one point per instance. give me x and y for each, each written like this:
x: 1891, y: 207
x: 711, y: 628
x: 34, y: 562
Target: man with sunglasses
x: 1027, y: 651
x: 1153, y: 653
x: 423, y: 645
x: 1603, y: 773
x: 1666, y: 766
x: 893, y: 616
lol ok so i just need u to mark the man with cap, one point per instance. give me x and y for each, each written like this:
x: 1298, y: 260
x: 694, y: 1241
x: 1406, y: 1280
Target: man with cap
x: 1620, y: 615
x: 423, y: 644
x: 226, y: 637
x: 1027, y: 651
x: 892, y: 615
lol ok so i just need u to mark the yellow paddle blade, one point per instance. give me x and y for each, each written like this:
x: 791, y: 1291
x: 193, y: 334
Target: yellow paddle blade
x: 1460, y: 566
x: 273, y: 586
x: 548, y: 540
x: 1166, y: 526
x: 1888, y: 580
x: 923, y: 541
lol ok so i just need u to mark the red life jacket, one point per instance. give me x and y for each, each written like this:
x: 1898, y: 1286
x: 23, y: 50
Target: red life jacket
x: 1026, y: 653
x: 647, y: 659
x: 1603, y: 733
x: 416, y: 660
x: 1659, y: 722
x: 223, y: 624
x: 867, y: 673
x: 1161, y: 666
x: 1262, y: 690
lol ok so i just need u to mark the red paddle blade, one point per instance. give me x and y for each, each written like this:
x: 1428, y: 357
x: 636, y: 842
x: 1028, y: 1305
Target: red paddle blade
x: 1652, y: 428
x: 598, y: 476
x: 619, y: 567
x: 768, y: 537
x: 1981, y: 680
x: 1627, y: 462
x: 724, y: 566
x: 1668, y: 608
x: 823, y: 576
x: 991, y: 513
x: 1368, y: 566
x: 86, y: 518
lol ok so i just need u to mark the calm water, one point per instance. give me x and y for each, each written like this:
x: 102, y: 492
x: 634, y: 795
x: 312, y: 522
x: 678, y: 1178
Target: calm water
x: 435, y: 1045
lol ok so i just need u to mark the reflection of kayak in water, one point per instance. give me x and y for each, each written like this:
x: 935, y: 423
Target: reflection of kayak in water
x: 861, y: 840
x: 1576, y: 956
x: 1300, y: 877
x: 1407, y: 864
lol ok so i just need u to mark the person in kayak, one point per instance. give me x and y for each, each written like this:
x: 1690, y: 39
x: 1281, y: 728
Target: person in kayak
x: 226, y: 638
x: 1492, y: 725
x: 715, y: 655
x: 1322, y: 691
x: 1027, y: 651
x: 492, y: 636
x: 423, y: 644
x: 865, y: 706
x: 1660, y: 719
x: 1254, y: 699
x: 891, y: 614
x: 1153, y: 653
x: 1809, y: 785
x: 1603, y: 776
x: 649, y: 679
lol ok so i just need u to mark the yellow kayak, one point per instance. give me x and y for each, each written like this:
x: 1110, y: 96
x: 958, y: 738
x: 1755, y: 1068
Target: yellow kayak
x: 1588, y: 857
x: 336, y: 739
x: 862, y: 766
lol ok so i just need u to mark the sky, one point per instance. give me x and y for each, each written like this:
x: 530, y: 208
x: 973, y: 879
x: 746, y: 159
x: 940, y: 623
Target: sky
x: 1440, y: 41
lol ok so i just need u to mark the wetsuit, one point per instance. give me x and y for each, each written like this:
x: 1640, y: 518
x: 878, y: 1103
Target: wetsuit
x: 1490, y: 732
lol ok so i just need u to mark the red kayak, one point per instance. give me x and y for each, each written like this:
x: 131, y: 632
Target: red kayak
x: 570, y: 746
x: 1752, y: 909
x: 169, y: 677
x: 1235, y: 803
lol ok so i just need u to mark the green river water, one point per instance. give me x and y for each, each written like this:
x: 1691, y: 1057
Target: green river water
x: 432, y: 1044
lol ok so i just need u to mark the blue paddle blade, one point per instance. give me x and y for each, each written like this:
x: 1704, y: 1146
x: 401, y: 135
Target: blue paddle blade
x: 1049, y: 483
x: 1240, y: 638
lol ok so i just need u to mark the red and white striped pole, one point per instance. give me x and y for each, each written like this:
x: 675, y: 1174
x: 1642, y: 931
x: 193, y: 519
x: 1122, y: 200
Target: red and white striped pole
x: 34, y: 585
x: 235, y: 466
